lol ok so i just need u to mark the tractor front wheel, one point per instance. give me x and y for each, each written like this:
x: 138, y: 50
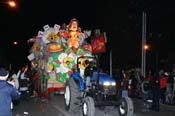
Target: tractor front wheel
x: 126, y: 107
x: 88, y: 106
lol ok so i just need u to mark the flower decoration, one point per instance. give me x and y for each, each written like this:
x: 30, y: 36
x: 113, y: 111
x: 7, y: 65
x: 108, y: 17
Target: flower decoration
x: 37, y: 48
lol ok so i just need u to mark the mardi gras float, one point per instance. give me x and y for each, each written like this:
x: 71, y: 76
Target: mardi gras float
x: 55, y: 51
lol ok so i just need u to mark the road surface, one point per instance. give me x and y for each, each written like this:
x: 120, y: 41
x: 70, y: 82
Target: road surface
x: 55, y: 107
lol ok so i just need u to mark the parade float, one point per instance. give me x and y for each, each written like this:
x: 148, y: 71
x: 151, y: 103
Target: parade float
x: 54, y: 54
x: 58, y: 55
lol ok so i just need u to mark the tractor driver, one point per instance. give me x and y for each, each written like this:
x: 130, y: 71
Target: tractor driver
x: 88, y: 72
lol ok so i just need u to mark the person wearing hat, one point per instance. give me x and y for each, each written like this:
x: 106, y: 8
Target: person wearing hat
x: 8, y: 92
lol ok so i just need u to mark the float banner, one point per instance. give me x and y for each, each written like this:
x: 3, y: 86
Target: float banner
x: 98, y: 45
x: 31, y: 57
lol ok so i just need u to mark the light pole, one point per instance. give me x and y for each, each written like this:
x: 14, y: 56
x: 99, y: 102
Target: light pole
x: 143, y: 64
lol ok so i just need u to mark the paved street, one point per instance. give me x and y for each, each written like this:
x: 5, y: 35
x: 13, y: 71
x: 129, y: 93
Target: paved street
x: 55, y: 107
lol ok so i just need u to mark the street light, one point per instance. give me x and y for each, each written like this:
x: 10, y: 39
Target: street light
x: 10, y: 3
x: 15, y: 43
x: 146, y: 47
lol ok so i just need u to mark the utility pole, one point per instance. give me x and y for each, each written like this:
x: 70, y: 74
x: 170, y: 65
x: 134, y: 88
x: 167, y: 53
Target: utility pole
x: 110, y: 54
x: 143, y: 64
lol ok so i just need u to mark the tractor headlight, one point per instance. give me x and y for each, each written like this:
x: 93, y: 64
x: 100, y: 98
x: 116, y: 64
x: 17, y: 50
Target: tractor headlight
x: 106, y: 83
x: 113, y: 83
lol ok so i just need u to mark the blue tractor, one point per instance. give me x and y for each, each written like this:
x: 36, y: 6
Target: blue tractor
x: 102, y: 92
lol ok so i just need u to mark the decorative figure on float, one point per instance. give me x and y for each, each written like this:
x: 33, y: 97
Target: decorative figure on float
x: 64, y: 35
x: 74, y: 34
x: 73, y: 39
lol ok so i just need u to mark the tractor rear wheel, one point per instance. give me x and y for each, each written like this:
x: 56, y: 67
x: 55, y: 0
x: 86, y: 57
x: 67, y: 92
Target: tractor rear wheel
x: 71, y: 94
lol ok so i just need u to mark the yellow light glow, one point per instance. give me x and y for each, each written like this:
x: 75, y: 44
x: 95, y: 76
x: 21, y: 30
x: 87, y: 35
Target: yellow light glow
x: 12, y: 4
x: 146, y: 47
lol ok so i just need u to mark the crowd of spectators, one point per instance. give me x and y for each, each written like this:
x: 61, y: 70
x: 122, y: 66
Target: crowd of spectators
x: 131, y: 80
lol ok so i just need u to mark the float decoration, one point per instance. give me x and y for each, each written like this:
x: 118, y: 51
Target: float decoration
x: 56, y: 50
x: 98, y: 45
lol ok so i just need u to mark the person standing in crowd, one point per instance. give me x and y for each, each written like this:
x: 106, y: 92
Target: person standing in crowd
x: 138, y: 77
x: 169, y: 88
x: 149, y: 76
x: 134, y: 83
x: 122, y: 77
x: 8, y: 92
x: 155, y: 92
x: 37, y: 83
x: 173, y: 87
x: 16, y: 78
x: 23, y: 83
x: 163, y: 85
x: 119, y: 79
x: 30, y: 85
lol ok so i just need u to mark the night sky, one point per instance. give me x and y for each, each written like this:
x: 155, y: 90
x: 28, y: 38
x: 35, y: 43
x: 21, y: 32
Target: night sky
x: 120, y: 19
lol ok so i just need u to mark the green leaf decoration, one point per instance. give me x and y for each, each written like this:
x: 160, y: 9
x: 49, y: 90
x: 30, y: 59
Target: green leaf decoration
x: 43, y: 50
x: 55, y: 57
x: 67, y: 49
x: 71, y: 64
x: 63, y: 77
x: 55, y: 64
x: 80, y: 50
x: 44, y: 82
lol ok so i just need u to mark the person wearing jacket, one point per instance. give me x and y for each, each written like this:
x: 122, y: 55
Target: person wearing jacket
x: 163, y: 85
x: 156, y: 92
x: 8, y: 92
